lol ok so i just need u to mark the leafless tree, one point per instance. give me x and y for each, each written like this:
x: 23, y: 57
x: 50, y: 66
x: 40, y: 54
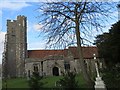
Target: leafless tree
x: 65, y: 22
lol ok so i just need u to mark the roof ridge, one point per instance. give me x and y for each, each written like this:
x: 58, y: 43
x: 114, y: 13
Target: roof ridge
x: 62, y: 49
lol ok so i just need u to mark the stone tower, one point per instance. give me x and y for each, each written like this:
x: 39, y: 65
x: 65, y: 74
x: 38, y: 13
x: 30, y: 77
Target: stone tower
x: 16, y: 47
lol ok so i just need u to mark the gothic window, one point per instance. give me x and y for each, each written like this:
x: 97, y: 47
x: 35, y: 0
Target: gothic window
x: 42, y: 66
x: 67, y: 65
x: 36, y: 68
x: 28, y: 73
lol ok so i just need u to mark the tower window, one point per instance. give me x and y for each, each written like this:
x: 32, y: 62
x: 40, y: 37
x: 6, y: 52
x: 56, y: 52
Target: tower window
x: 23, y: 23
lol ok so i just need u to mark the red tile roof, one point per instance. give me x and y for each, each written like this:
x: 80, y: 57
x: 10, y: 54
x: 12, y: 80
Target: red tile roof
x: 87, y: 52
x: 44, y: 53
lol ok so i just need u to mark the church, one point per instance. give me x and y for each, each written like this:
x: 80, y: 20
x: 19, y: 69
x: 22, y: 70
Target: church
x: 18, y: 61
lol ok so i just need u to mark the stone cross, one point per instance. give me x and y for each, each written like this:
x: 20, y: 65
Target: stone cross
x: 96, y: 66
x: 99, y: 83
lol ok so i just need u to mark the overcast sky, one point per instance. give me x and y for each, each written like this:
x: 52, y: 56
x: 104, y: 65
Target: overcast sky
x: 10, y: 9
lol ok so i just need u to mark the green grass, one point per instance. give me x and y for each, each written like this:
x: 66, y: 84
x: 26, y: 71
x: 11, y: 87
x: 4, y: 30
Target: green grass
x: 49, y: 82
x: 81, y: 81
x: 16, y: 83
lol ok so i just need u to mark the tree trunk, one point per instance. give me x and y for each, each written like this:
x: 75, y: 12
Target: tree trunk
x: 81, y: 60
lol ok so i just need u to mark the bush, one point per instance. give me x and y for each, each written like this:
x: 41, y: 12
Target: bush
x: 68, y: 81
x: 35, y: 81
x: 111, y: 76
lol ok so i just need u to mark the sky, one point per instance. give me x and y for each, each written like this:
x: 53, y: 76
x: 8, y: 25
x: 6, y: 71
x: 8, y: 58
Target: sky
x: 10, y: 9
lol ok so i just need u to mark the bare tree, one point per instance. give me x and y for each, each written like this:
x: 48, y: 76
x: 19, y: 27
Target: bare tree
x: 64, y: 22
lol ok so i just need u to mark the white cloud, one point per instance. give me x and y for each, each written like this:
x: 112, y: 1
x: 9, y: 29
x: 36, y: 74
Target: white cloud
x: 29, y: 26
x: 2, y: 39
x: 0, y: 20
x: 13, y: 5
x: 23, y: 1
x: 36, y: 45
x: 37, y: 27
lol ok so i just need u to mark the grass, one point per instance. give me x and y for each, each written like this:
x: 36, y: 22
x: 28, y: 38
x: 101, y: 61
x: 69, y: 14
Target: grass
x: 16, y: 83
x: 49, y: 82
x: 81, y: 81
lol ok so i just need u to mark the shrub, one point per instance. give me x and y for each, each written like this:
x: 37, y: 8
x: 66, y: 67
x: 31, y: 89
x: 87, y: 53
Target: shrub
x: 35, y: 81
x: 68, y: 81
x: 112, y: 77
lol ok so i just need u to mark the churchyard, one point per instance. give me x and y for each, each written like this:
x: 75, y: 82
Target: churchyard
x: 49, y: 82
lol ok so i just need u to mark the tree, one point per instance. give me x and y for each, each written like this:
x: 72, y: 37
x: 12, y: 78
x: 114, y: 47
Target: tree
x: 63, y: 22
x: 109, y: 49
x: 109, y: 45
x: 34, y: 82
x: 68, y: 82
x: 111, y: 77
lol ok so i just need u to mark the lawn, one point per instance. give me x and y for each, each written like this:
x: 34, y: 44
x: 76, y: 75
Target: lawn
x: 49, y: 82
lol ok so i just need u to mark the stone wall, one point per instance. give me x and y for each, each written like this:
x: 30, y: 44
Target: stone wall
x: 16, y: 47
x: 45, y: 67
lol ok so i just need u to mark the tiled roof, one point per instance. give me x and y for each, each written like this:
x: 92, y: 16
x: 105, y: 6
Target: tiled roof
x: 44, y: 53
x: 87, y: 52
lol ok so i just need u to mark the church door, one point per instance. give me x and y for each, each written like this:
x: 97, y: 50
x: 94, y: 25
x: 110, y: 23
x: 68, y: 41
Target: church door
x: 55, y: 71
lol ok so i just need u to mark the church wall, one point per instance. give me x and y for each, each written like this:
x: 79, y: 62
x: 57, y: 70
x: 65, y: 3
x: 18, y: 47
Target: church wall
x: 90, y: 64
x: 47, y: 68
x: 73, y: 66
x: 29, y: 66
x: 49, y: 64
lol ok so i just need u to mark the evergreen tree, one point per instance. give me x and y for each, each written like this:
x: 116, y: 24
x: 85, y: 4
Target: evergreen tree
x: 68, y: 82
x: 109, y: 49
x: 34, y: 82
x: 109, y: 45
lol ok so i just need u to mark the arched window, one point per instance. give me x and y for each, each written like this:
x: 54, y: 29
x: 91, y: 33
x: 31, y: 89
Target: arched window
x: 66, y: 65
x: 35, y: 66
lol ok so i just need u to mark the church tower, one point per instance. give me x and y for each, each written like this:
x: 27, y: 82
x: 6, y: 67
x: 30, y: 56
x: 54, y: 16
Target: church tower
x: 16, y: 47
